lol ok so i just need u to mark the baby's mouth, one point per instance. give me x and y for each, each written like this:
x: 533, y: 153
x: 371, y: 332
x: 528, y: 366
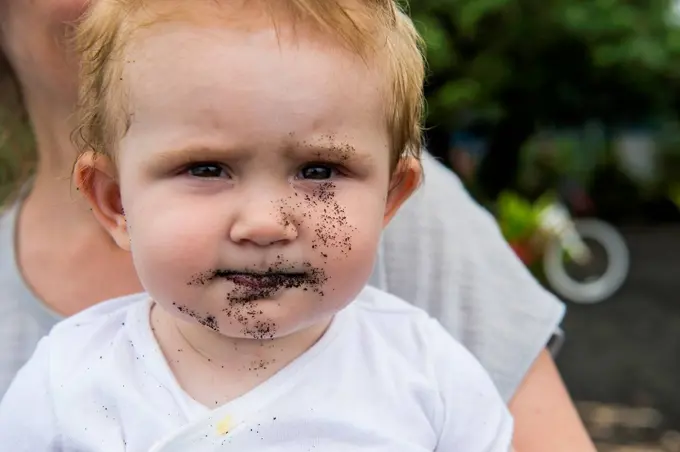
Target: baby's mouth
x: 264, y: 280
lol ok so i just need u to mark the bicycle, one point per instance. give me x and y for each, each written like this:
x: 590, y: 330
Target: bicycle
x: 584, y: 260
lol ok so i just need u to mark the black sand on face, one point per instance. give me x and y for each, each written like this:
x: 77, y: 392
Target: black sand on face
x: 332, y: 235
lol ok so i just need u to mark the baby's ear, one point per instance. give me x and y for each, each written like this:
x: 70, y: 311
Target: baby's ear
x: 404, y: 182
x: 95, y: 177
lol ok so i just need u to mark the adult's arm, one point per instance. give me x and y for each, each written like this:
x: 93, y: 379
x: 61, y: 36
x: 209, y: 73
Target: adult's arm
x: 545, y: 417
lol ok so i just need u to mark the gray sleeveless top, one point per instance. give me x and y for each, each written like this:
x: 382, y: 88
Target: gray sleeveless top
x: 442, y: 252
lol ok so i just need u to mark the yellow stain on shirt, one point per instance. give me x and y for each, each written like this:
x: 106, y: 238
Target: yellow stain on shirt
x: 224, y: 425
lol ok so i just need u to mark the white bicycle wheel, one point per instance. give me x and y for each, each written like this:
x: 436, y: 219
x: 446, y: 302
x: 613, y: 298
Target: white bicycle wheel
x: 596, y: 288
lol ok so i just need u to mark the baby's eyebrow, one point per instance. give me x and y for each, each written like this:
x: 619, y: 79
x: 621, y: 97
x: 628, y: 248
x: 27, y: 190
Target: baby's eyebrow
x: 337, y: 151
x: 190, y: 153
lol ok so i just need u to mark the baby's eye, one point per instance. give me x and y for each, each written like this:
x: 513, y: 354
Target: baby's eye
x: 317, y: 171
x: 206, y: 170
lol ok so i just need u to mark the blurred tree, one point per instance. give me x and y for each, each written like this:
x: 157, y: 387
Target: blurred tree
x: 517, y: 63
x: 17, y: 148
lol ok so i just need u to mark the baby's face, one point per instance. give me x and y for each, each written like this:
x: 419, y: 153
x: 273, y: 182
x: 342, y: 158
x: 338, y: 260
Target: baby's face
x: 254, y: 176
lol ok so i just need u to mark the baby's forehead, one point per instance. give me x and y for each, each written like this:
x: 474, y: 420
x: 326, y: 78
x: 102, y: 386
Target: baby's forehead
x: 190, y: 34
x: 170, y: 37
x: 207, y: 58
x: 248, y: 90
x: 217, y: 65
x: 331, y: 25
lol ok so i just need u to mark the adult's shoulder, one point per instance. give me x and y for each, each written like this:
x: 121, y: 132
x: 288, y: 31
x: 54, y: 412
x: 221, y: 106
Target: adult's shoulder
x: 444, y: 253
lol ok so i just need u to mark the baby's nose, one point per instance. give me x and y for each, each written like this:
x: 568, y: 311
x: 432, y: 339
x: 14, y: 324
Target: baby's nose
x: 263, y: 223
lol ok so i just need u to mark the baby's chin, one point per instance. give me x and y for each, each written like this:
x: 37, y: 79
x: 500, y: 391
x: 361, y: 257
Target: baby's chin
x: 270, y: 319
x: 266, y: 328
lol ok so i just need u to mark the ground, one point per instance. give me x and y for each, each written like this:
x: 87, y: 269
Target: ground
x: 621, y: 361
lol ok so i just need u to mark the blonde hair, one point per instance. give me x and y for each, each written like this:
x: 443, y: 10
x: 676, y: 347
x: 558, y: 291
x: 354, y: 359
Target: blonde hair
x: 367, y: 27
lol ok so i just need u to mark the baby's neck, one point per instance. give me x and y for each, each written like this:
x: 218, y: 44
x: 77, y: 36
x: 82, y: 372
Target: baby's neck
x: 214, y: 369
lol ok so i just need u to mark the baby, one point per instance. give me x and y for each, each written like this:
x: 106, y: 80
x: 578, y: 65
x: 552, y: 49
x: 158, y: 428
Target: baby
x: 248, y: 155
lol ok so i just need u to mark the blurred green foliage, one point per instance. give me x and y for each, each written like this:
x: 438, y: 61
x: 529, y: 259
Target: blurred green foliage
x: 17, y: 155
x: 517, y: 217
x: 561, y: 59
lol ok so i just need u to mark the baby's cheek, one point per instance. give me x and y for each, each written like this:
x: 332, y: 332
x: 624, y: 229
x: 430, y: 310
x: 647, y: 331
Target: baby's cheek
x: 338, y: 230
x: 349, y: 270
x: 165, y: 259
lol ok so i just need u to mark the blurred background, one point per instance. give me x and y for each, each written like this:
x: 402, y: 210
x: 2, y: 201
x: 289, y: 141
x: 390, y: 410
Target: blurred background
x: 563, y: 119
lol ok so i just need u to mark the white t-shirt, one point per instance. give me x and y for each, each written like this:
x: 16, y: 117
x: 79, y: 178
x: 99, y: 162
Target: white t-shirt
x: 384, y: 377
